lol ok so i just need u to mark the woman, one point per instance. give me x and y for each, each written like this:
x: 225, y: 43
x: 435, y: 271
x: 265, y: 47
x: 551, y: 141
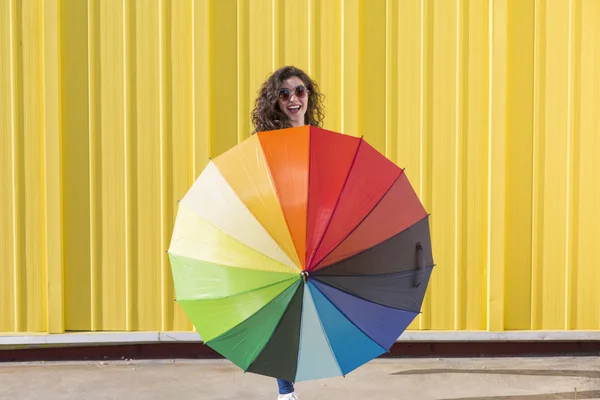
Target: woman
x: 288, y: 99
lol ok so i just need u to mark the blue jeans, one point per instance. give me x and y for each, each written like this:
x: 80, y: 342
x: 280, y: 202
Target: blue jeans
x: 285, y: 387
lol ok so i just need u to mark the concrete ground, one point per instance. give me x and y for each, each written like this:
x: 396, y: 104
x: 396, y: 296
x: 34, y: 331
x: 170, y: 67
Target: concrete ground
x: 415, y: 379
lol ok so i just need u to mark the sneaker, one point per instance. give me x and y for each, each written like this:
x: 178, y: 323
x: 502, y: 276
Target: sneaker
x: 289, y: 396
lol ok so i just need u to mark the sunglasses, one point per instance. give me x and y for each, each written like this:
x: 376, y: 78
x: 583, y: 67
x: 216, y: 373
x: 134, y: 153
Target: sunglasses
x: 285, y: 94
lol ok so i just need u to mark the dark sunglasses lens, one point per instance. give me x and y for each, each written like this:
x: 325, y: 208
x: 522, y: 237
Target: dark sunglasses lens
x: 300, y: 92
x: 284, y: 95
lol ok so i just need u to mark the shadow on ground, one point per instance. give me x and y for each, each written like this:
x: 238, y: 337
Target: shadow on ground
x: 531, y: 372
x: 590, y: 394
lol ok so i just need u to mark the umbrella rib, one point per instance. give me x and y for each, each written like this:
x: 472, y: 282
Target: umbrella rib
x: 337, y: 202
x: 306, y: 247
x: 287, y: 307
x: 288, y: 270
x: 287, y: 267
x: 277, y: 194
x: 325, y: 334
x: 183, y: 265
x: 400, y: 273
x: 265, y: 206
x: 372, y: 301
x: 216, y: 217
x: 366, y: 275
x: 320, y: 270
x: 256, y: 312
x: 245, y: 291
x: 362, y: 220
x: 346, y: 316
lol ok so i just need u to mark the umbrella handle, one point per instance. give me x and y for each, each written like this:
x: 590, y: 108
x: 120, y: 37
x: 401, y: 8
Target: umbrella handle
x: 422, y: 266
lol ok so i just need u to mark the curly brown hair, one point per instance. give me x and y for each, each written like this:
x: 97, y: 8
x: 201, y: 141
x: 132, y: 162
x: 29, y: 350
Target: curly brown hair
x: 267, y: 116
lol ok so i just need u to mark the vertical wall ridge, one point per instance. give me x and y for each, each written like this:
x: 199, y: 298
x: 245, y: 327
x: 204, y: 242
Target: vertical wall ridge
x: 425, y: 172
x: 165, y: 144
x: 496, y: 195
x: 538, y: 159
x: 573, y: 174
x: 93, y: 14
x: 53, y: 160
x: 129, y: 157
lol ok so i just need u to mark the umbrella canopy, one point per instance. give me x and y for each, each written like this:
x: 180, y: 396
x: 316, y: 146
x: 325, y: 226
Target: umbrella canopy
x: 301, y: 253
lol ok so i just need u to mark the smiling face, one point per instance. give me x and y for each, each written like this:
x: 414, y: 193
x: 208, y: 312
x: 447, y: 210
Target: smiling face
x: 294, y: 106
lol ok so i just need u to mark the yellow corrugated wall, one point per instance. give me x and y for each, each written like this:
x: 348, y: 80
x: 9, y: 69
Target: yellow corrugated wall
x: 110, y: 108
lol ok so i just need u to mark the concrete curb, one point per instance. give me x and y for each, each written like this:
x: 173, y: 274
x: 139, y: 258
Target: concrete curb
x: 114, y: 338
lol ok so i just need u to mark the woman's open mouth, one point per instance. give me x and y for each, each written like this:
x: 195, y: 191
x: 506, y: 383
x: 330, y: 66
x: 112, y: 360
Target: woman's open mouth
x: 294, y: 109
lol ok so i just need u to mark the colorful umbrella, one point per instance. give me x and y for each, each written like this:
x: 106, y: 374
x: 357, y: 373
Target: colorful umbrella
x: 301, y: 254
